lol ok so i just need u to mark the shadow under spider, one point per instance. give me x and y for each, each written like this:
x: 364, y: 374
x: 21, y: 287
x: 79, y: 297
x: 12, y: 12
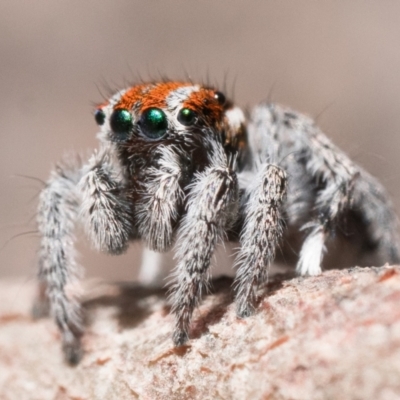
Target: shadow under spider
x: 130, y: 301
x: 222, y: 290
x: 133, y: 302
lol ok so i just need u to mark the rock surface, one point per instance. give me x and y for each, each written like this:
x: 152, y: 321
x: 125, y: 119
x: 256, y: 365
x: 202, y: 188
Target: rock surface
x: 335, y: 336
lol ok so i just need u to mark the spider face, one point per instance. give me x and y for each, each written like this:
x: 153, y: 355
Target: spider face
x: 147, y: 115
x: 160, y: 111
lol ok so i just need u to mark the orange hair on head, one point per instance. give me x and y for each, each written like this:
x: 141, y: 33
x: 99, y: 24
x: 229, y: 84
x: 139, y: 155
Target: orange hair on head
x: 131, y: 97
x: 204, y: 100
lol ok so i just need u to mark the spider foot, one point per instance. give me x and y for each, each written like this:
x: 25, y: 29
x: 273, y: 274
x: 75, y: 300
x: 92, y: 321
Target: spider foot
x: 245, y: 309
x: 72, y: 350
x: 180, y: 337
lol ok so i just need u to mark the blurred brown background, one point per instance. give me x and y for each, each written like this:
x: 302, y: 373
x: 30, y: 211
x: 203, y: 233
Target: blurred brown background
x: 337, y: 60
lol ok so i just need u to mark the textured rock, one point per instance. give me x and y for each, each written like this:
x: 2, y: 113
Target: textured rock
x: 335, y: 336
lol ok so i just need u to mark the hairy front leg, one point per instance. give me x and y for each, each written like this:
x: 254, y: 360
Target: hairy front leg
x: 212, y: 206
x: 57, y: 212
x: 260, y: 236
x: 105, y: 209
x: 157, y: 210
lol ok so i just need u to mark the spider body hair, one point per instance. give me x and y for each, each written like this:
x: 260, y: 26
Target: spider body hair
x: 178, y: 162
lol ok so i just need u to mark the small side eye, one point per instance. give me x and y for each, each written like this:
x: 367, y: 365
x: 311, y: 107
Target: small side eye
x: 186, y: 116
x: 99, y: 116
x: 121, y: 121
x: 220, y: 97
x: 153, y: 123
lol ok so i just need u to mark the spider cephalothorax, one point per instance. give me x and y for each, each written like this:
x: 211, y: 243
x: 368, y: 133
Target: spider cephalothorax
x: 178, y: 162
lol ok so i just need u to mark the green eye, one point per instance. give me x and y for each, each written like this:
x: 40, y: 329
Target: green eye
x: 121, y: 121
x: 187, y: 117
x: 153, y: 123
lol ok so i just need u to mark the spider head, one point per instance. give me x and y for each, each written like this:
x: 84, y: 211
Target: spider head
x: 150, y: 114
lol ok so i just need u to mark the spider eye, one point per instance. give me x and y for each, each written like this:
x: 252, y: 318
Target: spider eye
x: 121, y: 121
x: 99, y: 116
x: 220, y: 97
x: 187, y: 117
x: 153, y: 123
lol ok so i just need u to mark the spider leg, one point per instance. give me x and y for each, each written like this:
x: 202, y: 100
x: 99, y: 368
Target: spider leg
x: 380, y: 219
x: 105, y: 207
x: 212, y: 206
x: 323, y: 183
x: 336, y: 175
x: 153, y: 269
x: 57, y: 212
x: 158, y: 208
x: 260, y: 235
x: 344, y: 187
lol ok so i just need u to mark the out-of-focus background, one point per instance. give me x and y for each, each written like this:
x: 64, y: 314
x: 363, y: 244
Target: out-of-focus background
x: 337, y: 60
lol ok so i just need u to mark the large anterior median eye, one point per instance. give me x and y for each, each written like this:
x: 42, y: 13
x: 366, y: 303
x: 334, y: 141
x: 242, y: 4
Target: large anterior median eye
x: 186, y: 116
x: 153, y: 123
x: 121, y: 121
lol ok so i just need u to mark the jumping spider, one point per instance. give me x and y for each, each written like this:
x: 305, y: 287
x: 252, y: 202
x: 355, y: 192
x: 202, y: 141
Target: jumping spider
x: 180, y: 160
